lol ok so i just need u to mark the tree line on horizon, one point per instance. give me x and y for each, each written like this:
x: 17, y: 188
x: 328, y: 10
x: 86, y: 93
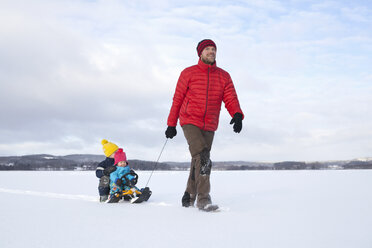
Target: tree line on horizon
x: 90, y: 162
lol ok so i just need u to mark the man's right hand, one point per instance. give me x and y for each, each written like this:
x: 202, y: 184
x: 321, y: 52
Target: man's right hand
x: 170, y: 132
x: 109, y: 170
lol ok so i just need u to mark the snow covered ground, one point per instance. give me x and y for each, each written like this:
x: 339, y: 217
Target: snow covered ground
x: 285, y: 209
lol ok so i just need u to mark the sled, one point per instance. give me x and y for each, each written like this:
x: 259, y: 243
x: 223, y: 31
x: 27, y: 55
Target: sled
x: 133, y: 194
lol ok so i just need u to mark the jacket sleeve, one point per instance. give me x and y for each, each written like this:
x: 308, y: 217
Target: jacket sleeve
x: 230, y: 98
x: 114, y: 176
x: 100, y: 169
x: 178, y: 98
x: 103, y: 165
x: 129, y: 176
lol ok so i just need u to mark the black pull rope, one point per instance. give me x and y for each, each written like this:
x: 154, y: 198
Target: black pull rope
x: 156, y: 162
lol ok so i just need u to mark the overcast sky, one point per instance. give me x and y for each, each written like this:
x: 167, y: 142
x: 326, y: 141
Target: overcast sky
x: 75, y: 72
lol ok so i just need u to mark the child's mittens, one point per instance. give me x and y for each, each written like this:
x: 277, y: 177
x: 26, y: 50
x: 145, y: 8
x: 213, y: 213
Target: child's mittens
x: 119, y: 182
x: 131, y: 182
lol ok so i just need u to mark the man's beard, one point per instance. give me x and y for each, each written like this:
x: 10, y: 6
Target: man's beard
x: 208, y: 61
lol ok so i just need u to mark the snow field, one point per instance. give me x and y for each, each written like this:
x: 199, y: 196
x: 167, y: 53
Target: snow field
x: 259, y: 209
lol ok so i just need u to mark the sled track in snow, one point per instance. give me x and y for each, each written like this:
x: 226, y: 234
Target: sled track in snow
x: 83, y: 197
x: 50, y: 195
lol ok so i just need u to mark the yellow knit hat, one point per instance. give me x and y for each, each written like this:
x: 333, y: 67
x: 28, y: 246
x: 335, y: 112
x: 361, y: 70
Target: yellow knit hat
x: 108, y: 148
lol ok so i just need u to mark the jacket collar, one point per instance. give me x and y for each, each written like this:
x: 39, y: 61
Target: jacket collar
x: 205, y: 66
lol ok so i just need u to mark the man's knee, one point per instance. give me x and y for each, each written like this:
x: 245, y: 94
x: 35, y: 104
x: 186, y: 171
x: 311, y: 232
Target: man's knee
x: 205, y: 162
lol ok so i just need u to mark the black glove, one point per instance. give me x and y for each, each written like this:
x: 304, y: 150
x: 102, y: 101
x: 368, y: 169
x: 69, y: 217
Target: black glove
x: 119, y: 182
x: 170, y: 132
x: 237, y: 121
x: 131, y: 183
x: 108, y: 170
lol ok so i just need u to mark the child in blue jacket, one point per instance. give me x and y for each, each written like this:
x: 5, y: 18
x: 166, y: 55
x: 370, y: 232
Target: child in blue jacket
x: 119, y: 183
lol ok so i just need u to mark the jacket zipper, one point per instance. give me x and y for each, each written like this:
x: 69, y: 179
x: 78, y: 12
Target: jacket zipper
x: 206, y: 103
x: 187, y: 104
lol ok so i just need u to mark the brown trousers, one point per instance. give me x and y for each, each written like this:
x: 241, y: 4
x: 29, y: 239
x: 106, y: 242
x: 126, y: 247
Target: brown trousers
x: 198, y: 186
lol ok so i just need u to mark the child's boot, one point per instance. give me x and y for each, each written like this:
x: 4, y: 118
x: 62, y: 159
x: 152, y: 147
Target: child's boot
x: 103, y: 198
x: 114, y: 198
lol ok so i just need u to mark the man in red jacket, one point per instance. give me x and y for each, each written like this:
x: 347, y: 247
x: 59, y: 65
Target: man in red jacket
x: 200, y: 91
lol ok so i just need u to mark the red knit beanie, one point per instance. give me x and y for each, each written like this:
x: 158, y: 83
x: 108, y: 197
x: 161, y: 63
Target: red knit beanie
x: 203, y: 44
x: 120, y: 156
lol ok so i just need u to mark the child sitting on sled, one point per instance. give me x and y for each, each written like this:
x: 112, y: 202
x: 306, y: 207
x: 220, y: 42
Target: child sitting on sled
x: 123, y: 181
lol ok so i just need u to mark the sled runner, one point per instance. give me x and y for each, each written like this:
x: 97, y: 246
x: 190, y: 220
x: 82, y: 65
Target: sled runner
x: 133, y: 195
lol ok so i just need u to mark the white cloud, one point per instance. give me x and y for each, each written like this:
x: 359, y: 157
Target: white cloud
x: 74, y: 72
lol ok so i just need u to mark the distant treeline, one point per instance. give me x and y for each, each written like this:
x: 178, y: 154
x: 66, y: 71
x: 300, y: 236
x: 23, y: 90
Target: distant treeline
x: 90, y: 162
x: 81, y: 162
x: 322, y: 166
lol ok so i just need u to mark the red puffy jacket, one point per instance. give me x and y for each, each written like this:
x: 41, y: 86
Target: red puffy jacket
x: 199, y: 94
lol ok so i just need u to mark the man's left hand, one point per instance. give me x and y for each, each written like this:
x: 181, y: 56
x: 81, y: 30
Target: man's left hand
x: 237, y: 121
